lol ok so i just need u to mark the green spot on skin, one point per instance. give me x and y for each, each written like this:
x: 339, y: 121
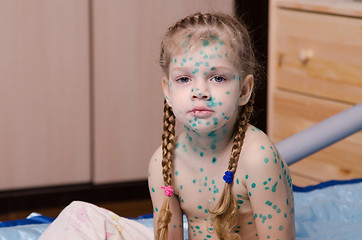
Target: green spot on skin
x: 201, y: 154
x: 212, y: 134
x: 212, y: 69
x: 199, y: 207
x: 253, y: 185
x: 153, y: 190
x: 201, y: 169
x: 156, y: 209
x: 213, y: 160
x: 227, y: 92
x: 181, y: 187
x: 280, y: 228
x: 246, y: 176
x: 194, y: 180
x: 213, y: 147
x: 237, y: 181
x: 262, y: 147
x: 205, y: 42
x: 266, y: 160
x: 176, y: 173
x: 274, y: 188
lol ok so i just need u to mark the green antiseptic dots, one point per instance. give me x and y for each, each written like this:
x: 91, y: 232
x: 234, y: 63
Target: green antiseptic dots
x: 205, y: 42
x: 213, y: 160
x: 253, y: 185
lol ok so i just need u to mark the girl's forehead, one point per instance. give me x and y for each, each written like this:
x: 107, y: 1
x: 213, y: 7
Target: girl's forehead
x: 209, y: 52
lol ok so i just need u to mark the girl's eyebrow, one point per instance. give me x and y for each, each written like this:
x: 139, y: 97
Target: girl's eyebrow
x: 213, y: 68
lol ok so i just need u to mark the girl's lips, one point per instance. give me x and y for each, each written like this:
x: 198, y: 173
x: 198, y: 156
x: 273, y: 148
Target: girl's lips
x: 201, y: 113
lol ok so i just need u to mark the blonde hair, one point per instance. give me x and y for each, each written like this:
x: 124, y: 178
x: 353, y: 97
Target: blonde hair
x: 189, y: 31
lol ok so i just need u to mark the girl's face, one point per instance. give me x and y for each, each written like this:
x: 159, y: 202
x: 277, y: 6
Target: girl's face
x: 204, y: 88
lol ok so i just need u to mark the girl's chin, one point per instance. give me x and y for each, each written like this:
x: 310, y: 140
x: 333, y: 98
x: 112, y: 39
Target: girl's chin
x: 204, y: 130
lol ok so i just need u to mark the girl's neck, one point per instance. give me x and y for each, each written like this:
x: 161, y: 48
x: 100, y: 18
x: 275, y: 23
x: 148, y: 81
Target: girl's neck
x: 210, y: 143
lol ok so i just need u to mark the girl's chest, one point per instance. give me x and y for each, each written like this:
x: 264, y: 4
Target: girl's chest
x: 200, y: 186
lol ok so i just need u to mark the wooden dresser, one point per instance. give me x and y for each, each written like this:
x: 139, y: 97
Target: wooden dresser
x: 315, y: 71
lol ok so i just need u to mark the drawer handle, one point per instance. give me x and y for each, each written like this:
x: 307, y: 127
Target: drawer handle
x: 305, y: 55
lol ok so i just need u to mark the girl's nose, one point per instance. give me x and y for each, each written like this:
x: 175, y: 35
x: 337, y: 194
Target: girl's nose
x: 201, y: 93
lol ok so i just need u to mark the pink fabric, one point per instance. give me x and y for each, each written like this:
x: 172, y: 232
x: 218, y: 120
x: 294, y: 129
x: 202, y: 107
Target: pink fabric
x: 82, y: 220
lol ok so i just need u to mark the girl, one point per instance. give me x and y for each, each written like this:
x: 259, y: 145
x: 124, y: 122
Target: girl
x: 223, y: 173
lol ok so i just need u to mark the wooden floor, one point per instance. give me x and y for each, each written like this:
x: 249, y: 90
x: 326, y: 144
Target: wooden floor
x: 131, y: 209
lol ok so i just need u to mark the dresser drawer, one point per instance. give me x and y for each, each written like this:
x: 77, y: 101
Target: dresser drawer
x: 319, y: 55
x: 296, y: 112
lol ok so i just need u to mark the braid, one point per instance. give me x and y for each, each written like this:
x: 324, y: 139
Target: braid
x: 168, y: 143
x: 226, y: 209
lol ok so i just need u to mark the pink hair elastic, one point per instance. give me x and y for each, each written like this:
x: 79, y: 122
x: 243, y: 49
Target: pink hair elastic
x: 168, y: 190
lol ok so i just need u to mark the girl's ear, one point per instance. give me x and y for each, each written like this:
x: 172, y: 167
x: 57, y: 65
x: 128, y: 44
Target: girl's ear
x: 166, y: 90
x: 246, y: 89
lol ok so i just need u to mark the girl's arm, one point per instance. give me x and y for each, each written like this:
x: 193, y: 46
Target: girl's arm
x: 155, y: 182
x: 269, y: 185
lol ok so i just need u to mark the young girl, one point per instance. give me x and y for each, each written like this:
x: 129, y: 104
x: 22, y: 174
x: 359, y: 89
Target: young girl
x: 223, y: 173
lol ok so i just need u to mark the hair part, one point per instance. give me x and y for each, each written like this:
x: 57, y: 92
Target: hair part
x: 237, y: 40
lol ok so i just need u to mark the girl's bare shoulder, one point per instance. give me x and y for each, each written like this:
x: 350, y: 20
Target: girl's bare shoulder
x: 258, y: 149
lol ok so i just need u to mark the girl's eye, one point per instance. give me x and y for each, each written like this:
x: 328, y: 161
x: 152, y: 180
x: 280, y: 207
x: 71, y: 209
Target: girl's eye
x: 218, y: 79
x: 183, y: 80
